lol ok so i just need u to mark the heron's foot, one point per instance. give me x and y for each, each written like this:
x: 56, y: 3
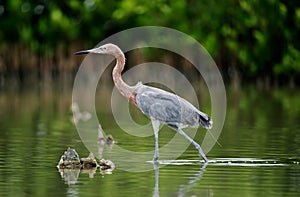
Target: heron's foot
x: 201, y: 153
x: 205, y: 159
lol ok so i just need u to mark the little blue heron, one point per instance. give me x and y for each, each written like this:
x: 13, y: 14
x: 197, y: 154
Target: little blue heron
x: 159, y: 105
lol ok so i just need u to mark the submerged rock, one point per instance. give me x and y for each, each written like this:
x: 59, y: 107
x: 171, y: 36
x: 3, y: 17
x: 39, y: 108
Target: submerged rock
x: 106, y: 164
x: 89, y: 162
x: 70, y: 159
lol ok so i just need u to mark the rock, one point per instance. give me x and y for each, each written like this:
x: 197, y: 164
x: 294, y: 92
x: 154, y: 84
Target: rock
x: 106, y: 164
x: 89, y: 162
x: 70, y: 162
x: 70, y: 159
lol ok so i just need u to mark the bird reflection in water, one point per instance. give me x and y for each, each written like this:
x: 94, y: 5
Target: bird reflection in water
x: 183, y: 189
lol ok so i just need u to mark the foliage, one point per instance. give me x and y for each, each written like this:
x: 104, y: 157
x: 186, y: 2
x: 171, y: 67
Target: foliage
x: 256, y: 38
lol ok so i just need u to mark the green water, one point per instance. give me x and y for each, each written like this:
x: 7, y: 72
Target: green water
x: 258, y: 156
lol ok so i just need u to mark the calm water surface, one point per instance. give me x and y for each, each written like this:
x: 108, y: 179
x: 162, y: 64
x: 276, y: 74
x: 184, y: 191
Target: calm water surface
x: 258, y: 156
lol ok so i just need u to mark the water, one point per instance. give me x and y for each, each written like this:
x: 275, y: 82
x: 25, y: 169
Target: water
x: 258, y: 156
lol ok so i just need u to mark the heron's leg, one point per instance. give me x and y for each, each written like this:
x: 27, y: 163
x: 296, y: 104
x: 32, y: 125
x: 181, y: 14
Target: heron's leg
x: 193, y: 142
x: 155, y: 125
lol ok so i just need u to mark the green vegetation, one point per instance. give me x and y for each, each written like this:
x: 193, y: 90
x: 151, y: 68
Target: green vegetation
x: 257, y: 39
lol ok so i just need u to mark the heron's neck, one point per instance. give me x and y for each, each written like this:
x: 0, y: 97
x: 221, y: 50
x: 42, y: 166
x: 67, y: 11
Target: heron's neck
x: 126, y: 90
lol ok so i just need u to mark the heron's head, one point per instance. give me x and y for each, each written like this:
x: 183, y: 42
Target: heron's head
x: 104, y: 49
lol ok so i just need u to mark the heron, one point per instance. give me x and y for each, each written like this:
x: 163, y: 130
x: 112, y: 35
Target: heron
x: 162, y: 107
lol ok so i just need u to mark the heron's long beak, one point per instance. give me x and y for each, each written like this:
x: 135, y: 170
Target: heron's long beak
x: 82, y: 52
x: 98, y: 50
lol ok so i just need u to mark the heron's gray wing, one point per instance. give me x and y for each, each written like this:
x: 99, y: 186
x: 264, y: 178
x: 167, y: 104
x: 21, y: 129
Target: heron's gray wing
x: 167, y: 107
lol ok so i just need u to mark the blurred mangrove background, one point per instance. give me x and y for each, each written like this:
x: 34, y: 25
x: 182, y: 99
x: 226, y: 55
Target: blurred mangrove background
x: 255, y: 43
x: 249, y: 40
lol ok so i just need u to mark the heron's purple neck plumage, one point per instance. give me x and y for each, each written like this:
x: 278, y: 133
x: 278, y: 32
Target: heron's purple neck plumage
x: 126, y: 90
